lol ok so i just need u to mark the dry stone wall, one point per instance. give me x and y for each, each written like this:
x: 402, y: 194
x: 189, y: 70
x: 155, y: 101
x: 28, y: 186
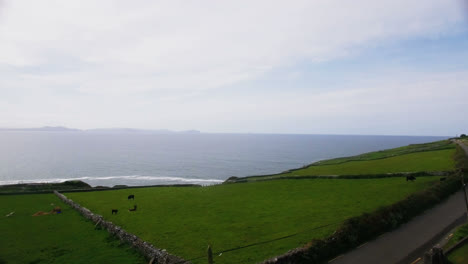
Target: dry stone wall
x: 149, y: 251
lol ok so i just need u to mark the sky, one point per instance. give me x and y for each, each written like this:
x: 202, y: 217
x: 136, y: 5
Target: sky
x: 388, y: 67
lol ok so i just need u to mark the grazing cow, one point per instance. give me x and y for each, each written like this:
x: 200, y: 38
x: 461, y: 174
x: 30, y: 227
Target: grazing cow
x: 410, y: 178
x: 131, y: 196
x: 133, y: 209
x: 443, y: 179
x: 114, y: 211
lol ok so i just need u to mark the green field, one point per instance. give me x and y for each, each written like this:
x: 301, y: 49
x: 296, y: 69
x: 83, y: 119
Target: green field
x: 184, y: 220
x: 439, y: 160
x: 435, y: 156
x: 387, y: 153
x: 59, y: 238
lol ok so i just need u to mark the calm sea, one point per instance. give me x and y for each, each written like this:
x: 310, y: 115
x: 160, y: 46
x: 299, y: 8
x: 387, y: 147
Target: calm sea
x: 148, y: 159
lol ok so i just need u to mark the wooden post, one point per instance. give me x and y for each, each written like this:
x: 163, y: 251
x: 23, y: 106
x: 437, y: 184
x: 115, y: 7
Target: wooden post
x: 98, y: 222
x: 210, y: 255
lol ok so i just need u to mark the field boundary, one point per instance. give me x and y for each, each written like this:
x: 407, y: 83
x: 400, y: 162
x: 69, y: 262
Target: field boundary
x: 456, y: 245
x: 148, y: 250
x: 100, y: 189
x: 355, y: 176
x: 355, y: 158
x: 357, y: 230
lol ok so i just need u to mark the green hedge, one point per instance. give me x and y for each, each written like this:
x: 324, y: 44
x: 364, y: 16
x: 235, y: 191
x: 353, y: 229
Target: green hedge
x: 358, y: 230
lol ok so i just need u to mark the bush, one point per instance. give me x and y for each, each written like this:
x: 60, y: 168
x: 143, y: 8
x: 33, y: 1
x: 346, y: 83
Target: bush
x: 358, y: 230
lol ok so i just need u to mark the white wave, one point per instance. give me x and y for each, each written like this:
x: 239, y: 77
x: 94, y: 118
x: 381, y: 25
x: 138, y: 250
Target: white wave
x: 127, y: 177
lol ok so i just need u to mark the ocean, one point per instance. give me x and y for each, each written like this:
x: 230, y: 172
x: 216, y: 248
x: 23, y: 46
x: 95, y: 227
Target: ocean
x: 151, y: 159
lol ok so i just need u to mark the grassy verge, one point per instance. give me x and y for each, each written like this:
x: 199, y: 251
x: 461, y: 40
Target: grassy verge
x: 464, y: 140
x: 458, y: 235
x: 272, y: 217
x: 55, y: 238
x: 460, y: 255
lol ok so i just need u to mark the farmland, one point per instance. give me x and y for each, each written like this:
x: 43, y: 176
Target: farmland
x: 435, y: 156
x: 243, y: 222
x: 440, y: 160
x: 184, y: 220
x: 54, y: 238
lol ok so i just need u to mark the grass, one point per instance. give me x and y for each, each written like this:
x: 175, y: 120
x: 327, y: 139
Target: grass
x: 414, y: 148
x: 464, y: 140
x: 458, y: 235
x: 44, y: 187
x: 59, y: 238
x: 439, y: 160
x: 185, y: 220
x: 435, y: 156
x: 460, y: 255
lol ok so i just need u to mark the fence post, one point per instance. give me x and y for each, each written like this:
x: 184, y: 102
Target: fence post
x: 210, y: 255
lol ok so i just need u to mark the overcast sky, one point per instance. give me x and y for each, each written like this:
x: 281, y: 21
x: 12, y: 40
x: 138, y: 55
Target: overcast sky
x: 393, y: 67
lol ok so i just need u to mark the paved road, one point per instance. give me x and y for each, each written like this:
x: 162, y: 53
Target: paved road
x: 408, y: 242
x: 465, y: 147
x: 411, y: 240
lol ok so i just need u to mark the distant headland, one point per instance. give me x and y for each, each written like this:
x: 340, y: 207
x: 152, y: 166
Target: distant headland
x: 101, y: 130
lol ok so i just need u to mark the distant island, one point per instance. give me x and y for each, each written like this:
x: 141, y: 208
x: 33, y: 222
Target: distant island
x: 140, y: 131
x: 101, y: 130
x: 46, y: 128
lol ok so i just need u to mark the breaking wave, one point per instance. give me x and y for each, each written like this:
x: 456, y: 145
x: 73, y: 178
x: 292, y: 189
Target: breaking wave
x: 118, y: 180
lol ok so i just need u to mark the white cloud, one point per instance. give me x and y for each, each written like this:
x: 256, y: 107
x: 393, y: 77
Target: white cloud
x: 185, y: 41
x: 116, y: 61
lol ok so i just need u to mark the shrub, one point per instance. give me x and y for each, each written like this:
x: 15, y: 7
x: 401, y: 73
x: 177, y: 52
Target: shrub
x: 357, y: 230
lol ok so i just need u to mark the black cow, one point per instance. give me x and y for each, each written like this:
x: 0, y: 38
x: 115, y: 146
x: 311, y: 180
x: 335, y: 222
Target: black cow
x: 410, y: 178
x: 114, y: 211
x: 133, y: 209
x: 131, y: 196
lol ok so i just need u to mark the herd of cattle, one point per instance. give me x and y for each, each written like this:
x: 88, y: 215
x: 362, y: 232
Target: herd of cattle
x: 130, y: 197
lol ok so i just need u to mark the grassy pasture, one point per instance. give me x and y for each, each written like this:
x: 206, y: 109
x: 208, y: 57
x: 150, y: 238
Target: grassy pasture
x: 184, y: 220
x: 387, y: 153
x: 435, y: 156
x: 60, y: 238
x: 439, y: 160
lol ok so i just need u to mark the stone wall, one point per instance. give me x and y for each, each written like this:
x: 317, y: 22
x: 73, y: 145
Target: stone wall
x: 357, y: 230
x: 149, y: 251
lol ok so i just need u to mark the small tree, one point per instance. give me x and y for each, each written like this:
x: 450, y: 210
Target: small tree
x: 463, y: 135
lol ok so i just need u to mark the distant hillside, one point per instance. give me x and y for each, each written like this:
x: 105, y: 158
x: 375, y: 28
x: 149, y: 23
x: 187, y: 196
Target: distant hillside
x: 46, y: 128
x: 102, y: 130
x: 139, y: 131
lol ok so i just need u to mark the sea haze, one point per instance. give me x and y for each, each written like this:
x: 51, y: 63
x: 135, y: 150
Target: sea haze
x: 147, y: 159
